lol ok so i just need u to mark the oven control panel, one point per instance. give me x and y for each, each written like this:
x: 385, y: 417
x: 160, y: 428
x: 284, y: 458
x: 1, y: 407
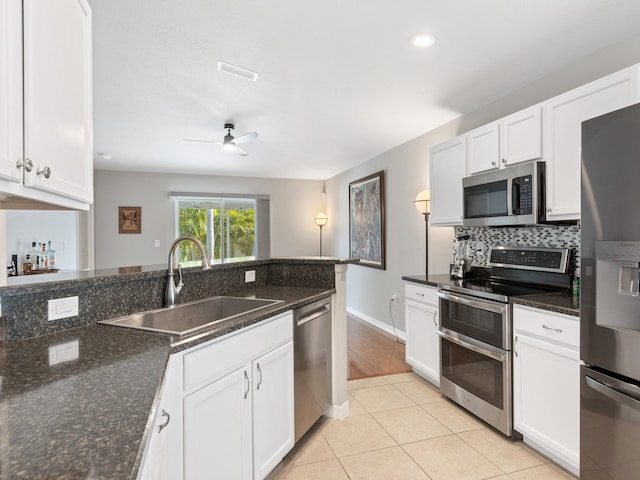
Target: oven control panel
x: 528, y: 258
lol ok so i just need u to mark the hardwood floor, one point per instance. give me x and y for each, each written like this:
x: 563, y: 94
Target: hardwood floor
x: 372, y: 352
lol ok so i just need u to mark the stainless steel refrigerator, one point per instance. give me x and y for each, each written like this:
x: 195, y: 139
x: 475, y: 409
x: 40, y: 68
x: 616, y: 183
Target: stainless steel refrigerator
x: 610, y: 300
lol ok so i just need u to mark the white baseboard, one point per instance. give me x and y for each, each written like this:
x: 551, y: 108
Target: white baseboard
x: 338, y: 411
x: 378, y: 324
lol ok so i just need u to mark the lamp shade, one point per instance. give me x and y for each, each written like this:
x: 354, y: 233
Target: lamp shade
x: 422, y: 201
x: 321, y: 219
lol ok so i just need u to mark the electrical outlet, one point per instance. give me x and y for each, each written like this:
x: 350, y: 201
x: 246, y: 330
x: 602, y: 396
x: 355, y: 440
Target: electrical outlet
x: 62, y: 308
x: 394, y: 299
x: 250, y: 276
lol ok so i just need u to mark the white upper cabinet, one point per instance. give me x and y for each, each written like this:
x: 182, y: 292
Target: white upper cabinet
x: 447, y: 166
x: 484, y: 148
x: 563, y: 117
x: 513, y: 139
x: 10, y: 90
x: 521, y: 136
x: 45, y: 85
x: 58, y: 97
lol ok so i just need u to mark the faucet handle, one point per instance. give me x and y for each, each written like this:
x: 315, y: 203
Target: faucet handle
x: 180, y: 283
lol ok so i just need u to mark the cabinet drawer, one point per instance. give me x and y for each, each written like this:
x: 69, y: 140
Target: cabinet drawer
x: 554, y: 327
x: 421, y: 293
x: 221, y: 356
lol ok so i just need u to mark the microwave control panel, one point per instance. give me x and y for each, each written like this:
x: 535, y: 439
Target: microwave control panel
x: 523, y: 195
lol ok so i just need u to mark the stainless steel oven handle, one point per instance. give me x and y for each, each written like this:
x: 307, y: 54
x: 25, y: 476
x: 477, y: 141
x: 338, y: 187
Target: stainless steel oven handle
x: 487, y: 305
x: 482, y: 350
x: 612, y: 393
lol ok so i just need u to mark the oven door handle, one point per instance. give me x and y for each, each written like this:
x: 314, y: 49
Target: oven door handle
x: 480, y: 304
x: 483, y: 349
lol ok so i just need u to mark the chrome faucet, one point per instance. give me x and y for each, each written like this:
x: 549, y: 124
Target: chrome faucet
x: 172, y: 289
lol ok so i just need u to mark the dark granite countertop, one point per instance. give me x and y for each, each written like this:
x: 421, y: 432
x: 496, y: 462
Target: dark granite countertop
x: 88, y: 417
x: 554, y: 302
x: 559, y: 302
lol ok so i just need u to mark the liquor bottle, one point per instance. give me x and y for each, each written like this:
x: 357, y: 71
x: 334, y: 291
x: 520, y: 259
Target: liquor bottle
x: 35, y: 256
x: 27, y: 266
x: 44, y: 258
x: 51, y: 253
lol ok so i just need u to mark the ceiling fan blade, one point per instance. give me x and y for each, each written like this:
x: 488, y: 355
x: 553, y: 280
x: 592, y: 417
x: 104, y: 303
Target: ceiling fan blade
x: 240, y: 151
x: 201, y: 141
x: 247, y: 137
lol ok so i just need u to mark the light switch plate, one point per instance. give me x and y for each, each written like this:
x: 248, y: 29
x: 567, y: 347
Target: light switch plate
x: 250, y: 276
x: 63, y: 308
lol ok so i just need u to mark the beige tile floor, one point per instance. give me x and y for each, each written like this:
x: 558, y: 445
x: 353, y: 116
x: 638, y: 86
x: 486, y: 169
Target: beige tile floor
x: 400, y: 427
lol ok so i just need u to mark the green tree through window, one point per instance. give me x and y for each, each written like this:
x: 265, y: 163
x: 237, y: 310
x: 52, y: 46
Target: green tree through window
x: 227, y: 227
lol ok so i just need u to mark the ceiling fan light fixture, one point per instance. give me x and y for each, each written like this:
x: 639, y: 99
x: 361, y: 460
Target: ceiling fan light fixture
x: 422, y: 40
x: 229, y: 146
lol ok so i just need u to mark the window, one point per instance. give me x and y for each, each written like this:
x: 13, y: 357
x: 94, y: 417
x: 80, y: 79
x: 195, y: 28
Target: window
x: 232, y: 228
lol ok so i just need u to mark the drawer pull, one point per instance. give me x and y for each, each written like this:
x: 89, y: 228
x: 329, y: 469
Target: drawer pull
x: 420, y: 294
x: 557, y: 330
x: 164, y: 414
x: 246, y: 379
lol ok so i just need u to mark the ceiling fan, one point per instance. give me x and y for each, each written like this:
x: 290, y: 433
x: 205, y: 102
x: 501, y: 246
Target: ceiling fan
x: 229, y: 143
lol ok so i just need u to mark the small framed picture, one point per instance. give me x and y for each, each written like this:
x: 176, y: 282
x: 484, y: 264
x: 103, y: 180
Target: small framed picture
x: 130, y: 219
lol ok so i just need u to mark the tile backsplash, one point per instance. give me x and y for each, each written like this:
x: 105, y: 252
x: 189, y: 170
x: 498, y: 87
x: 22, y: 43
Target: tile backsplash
x: 482, y: 238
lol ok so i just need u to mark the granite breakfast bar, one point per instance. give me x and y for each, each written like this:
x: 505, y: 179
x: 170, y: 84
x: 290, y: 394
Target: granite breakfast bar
x: 88, y: 416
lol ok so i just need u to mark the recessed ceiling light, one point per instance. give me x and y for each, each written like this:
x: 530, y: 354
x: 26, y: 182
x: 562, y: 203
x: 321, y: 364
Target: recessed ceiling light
x: 237, y: 71
x: 422, y: 40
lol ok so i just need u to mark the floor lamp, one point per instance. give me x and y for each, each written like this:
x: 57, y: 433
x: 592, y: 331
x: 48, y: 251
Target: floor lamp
x: 422, y: 202
x: 321, y: 220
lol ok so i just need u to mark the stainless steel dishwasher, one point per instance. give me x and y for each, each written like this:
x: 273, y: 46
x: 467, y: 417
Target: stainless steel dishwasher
x: 312, y: 363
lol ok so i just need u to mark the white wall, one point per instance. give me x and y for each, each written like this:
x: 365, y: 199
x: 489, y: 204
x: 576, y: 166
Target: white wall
x: 294, y: 203
x: 407, y: 173
x: 59, y: 226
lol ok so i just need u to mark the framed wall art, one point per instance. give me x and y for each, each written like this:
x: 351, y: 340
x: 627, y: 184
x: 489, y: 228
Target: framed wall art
x: 366, y: 220
x: 130, y: 219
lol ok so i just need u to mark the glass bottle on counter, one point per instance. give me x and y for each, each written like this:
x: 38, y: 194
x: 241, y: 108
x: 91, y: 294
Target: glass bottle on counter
x: 51, y: 255
x: 35, y: 256
x: 44, y: 257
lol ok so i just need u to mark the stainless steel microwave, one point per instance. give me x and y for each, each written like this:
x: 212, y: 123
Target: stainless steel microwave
x: 509, y: 196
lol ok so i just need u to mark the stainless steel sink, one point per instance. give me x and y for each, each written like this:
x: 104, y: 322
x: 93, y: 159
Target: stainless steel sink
x: 188, y: 318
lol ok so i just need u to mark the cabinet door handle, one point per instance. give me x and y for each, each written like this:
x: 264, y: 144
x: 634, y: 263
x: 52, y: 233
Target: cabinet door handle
x: 246, y: 379
x: 259, y: 377
x: 493, y: 164
x: 27, y: 164
x: 45, y: 172
x: 164, y: 414
x: 549, y: 210
x: 557, y: 330
x: 504, y: 161
x: 435, y: 322
x: 515, y: 342
x: 420, y: 294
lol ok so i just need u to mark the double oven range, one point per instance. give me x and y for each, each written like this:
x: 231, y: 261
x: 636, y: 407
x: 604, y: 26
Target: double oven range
x: 476, y: 368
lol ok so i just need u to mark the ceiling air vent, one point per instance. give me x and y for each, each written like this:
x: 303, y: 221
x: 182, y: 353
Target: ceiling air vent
x: 237, y: 71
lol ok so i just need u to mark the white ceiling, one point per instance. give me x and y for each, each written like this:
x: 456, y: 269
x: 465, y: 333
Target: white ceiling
x: 338, y: 81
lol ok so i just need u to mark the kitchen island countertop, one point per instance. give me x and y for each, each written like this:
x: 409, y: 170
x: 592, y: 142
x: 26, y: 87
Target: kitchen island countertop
x: 89, y: 417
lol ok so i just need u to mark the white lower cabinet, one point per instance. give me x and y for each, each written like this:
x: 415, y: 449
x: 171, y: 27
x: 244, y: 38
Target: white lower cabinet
x: 422, y: 350
x: 163, y: 458
x: 234, y: 416
x: 546, y: 378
